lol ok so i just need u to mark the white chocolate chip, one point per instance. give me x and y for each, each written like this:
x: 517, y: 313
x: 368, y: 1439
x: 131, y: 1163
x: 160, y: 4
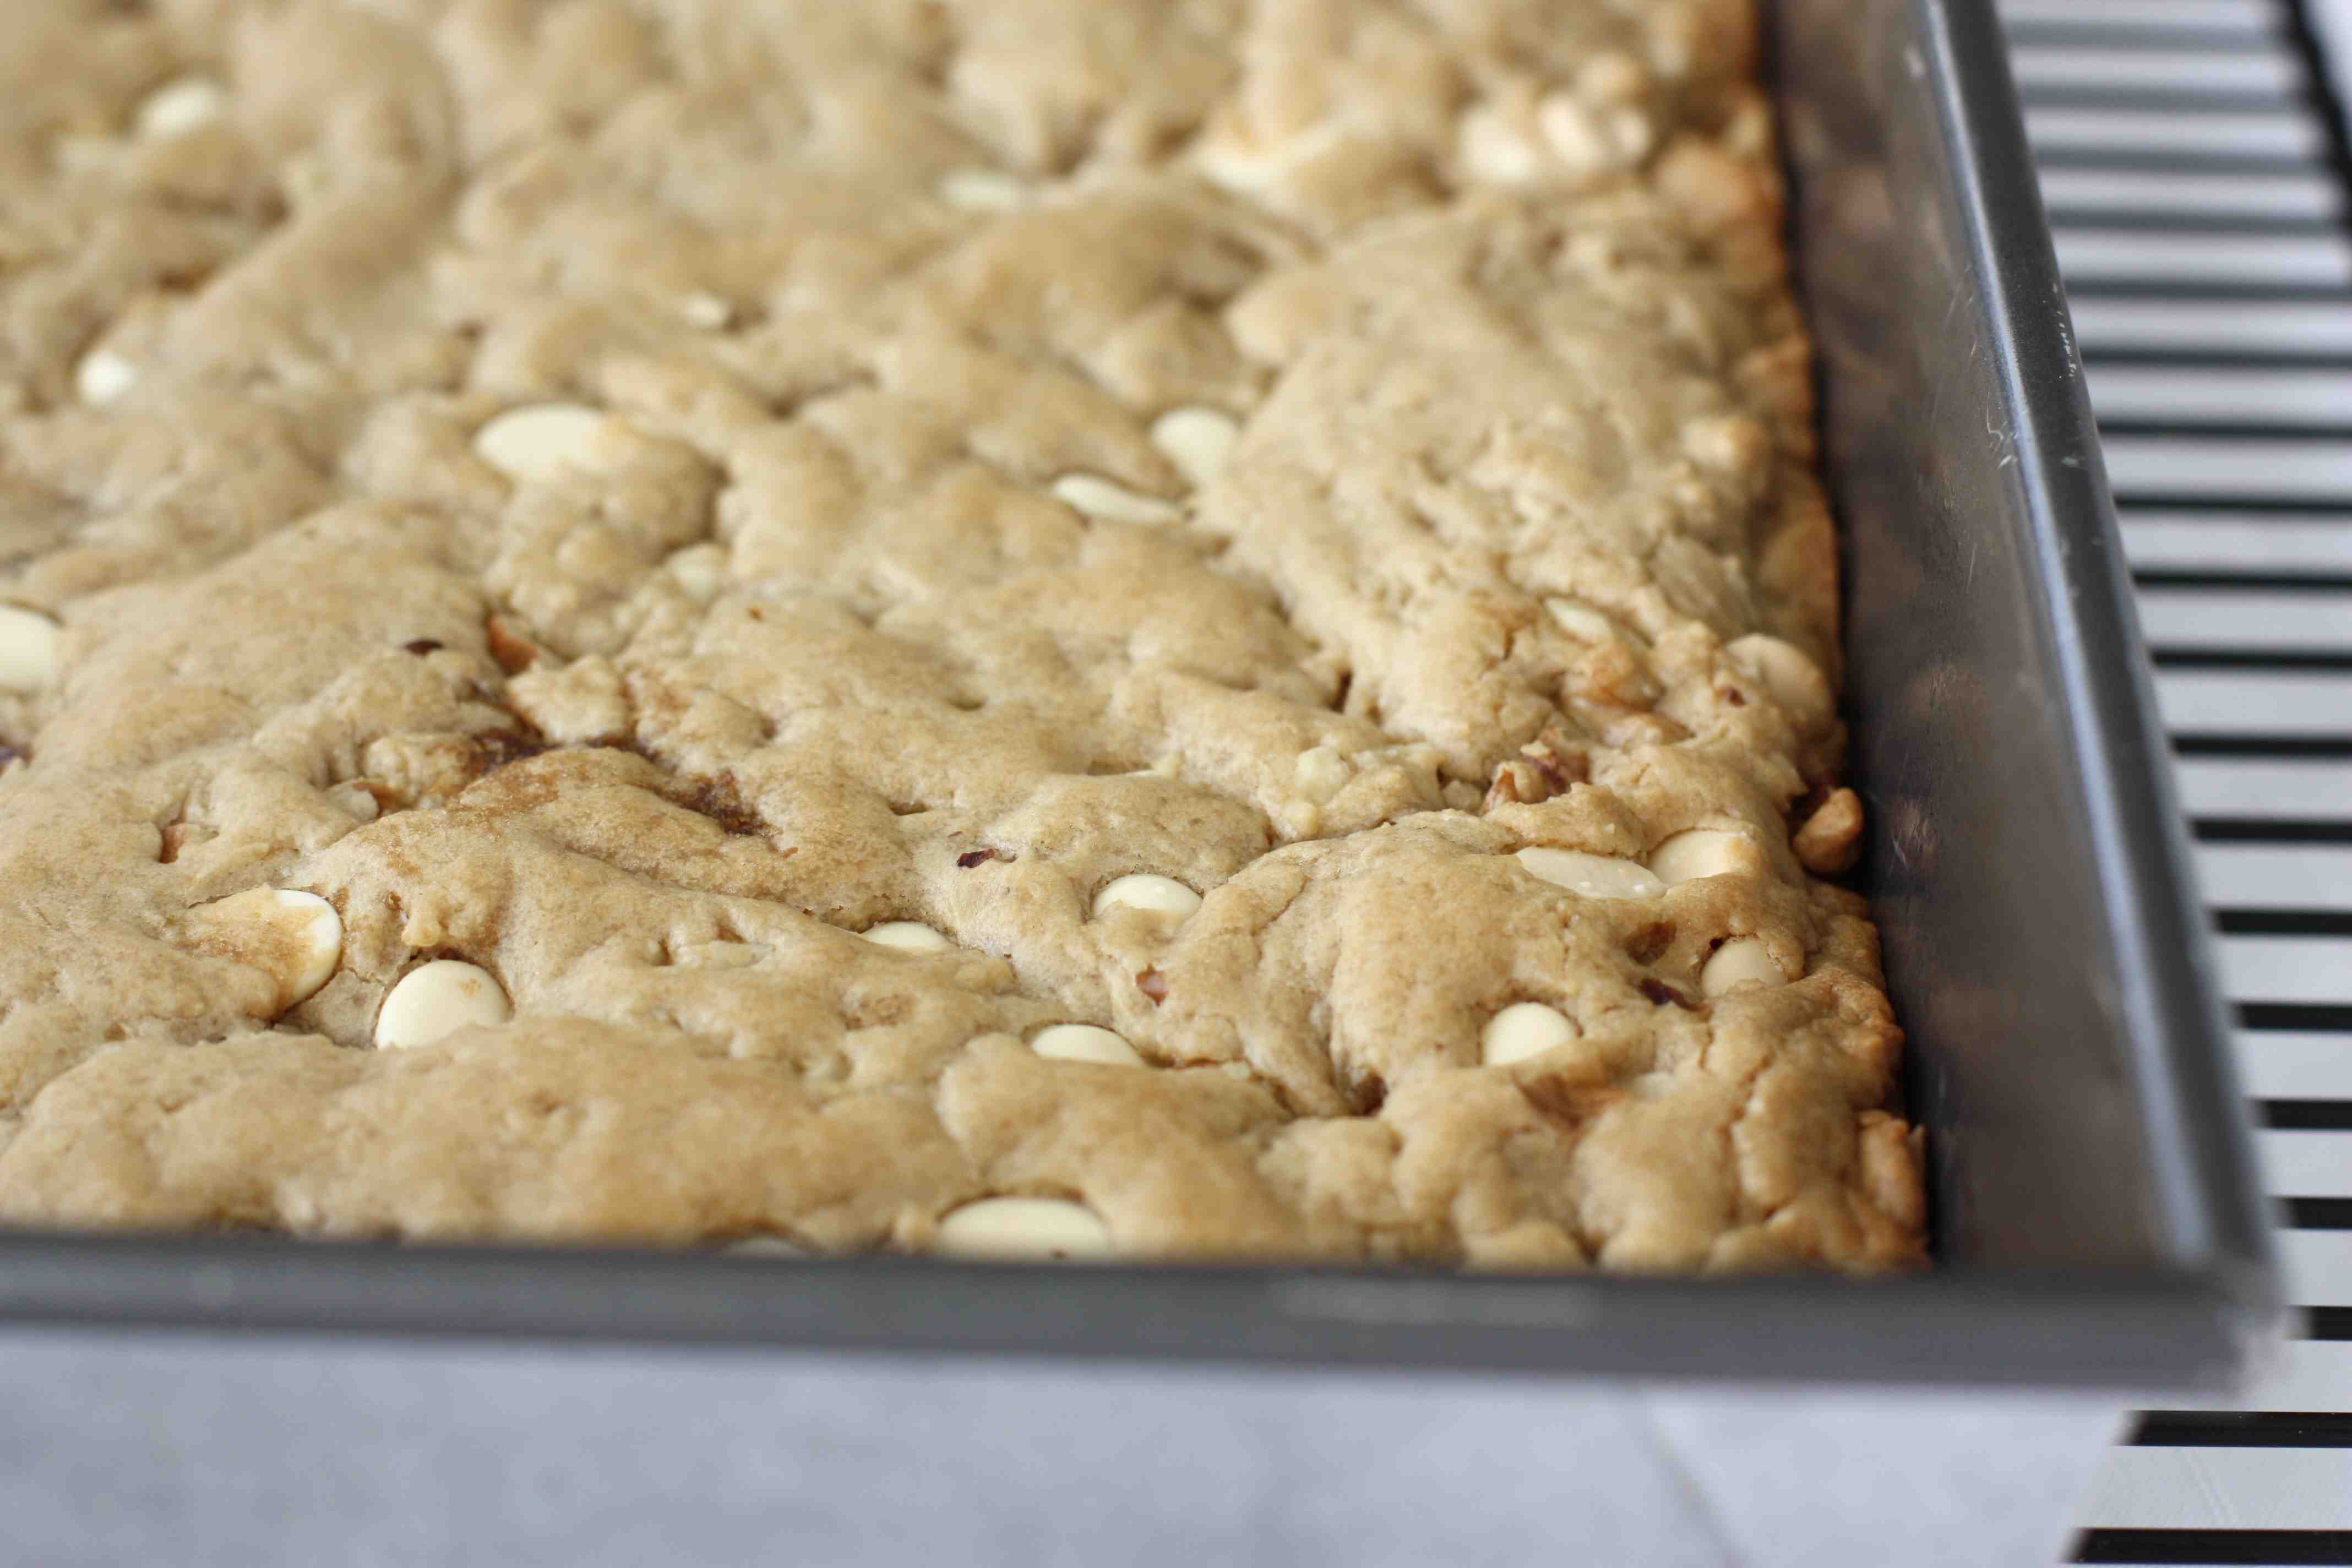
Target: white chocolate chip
x: 181, y: 106
x: 1574, y: 135
x: 1321, y: 774
x: 1581, y: 621
x: 763, y: 1247
x: 1097, y: 497
x: 1197, y: 440
x: 701, y: 570
x: 318, y: 933
x: 28, y: 649
x: 1593, y: 875
x: 1161, y: 895
x: 104, y: 376
x: 1703, y: 852
x: 1491, y: 149
x: 1524, y: 1030
x: 1630, y: 131
x: 297, y: 937
x: 1742, y: 961
x: 983, y: 191
x: 438, y: 999
x: 547, y: 441
x: 710, y: 311
x: 1616, y: 136
x: 910, y: 936
x: 1794, y: 681
x: 1728, y: 443
x: 1024, y: 1227
x: 1084, y: 1042
x: 1232, y: 165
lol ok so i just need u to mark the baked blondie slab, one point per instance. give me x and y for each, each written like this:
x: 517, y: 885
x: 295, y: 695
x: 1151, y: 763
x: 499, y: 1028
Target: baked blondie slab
x: 1050, y: 626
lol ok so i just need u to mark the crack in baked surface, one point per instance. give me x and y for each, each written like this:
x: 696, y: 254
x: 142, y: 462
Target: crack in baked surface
x: 754, y: 559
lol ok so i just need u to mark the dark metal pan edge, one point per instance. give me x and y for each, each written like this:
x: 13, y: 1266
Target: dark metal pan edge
x: 2144, y: 1331
x: 2156, y: 927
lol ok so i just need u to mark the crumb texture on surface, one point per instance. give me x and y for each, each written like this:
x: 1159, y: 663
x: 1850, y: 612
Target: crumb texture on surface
x: 743, y: 522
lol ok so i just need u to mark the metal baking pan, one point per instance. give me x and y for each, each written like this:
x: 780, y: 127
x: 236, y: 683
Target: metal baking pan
x: 2096, y: 1219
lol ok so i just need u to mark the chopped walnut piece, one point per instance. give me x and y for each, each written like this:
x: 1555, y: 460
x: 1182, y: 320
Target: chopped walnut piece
x: 179, y: 837
x: 497, y: 748
x: 1517, y: 782
x: 1154, y: 984
x: 1831, y: 840
x: 1563, y: 1097
x: 1613, y: 675
x: 1546, y: 766
x: 1661, y: 994
x: 1561, y: 761
x: 515, y: 650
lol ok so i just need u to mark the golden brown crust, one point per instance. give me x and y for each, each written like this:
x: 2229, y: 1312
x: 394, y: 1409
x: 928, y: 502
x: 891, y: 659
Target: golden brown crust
x: 820, y: 636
